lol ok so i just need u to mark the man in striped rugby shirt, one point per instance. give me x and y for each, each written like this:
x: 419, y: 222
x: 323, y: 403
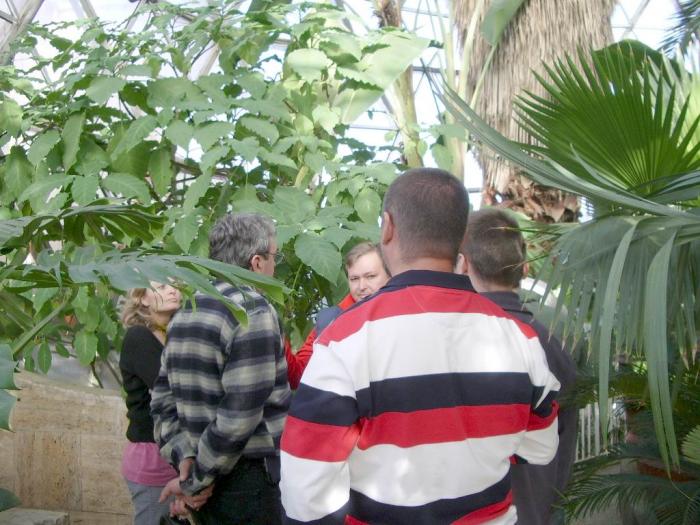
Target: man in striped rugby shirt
x: 416, y: 399
x: 221, y: 397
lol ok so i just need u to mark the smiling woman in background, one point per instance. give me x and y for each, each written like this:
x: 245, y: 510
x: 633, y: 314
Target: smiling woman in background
x: 146, y: 314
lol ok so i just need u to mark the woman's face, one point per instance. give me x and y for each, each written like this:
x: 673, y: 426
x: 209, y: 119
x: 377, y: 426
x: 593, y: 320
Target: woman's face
x: 161, y: 298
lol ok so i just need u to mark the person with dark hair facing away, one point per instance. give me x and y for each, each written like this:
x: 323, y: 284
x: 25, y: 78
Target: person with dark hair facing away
x: 222, y: 395
x: 494, y: 257
x: 416, y: 399
x: 366, y: 274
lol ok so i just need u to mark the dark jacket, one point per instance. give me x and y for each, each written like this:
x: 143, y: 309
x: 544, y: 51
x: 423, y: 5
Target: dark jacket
x: 537, y: 487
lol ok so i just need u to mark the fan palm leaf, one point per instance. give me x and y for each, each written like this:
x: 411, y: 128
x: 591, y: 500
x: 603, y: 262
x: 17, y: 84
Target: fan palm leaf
x: 621, y: 136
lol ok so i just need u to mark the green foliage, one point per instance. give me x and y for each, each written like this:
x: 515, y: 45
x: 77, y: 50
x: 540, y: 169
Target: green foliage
x: 113, y: 174
x: 619, y: 131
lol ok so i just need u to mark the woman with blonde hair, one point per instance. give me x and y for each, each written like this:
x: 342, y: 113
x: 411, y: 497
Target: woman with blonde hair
x: 146, y: 313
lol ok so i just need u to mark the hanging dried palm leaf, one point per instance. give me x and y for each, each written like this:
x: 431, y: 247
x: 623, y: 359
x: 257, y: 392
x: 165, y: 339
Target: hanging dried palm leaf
x: 542, y: 31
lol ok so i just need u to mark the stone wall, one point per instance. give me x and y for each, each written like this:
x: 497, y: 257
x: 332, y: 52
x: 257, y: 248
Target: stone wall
x: 65, y: 451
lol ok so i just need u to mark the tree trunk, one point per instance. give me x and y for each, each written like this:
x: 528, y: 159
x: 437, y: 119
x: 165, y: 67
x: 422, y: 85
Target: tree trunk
x: 543, y: 30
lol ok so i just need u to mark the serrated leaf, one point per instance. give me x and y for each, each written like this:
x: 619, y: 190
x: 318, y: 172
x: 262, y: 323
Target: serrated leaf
x: 38, y: 192
x: 293, y: 204
x: 360, y: 77
x: 62, y: 350
x: 18, y: 172
x: 442, y: 156
x: 277, y: 159
x: 247, y: 148
x: 161, y: 171
x: 92, y: 160
x: 338, y: 236
x: 179, y: 133
x: 102, y: 88
x: 127, y: 186
x: 260, y: 127
x: 368, y: 205
x: 185, y: 231
x: 41, y: 296
x: 309, y: 64
x: 42, y: 145
x: 71, y: 139
x: 326, y: 118
x: 10, y: 116
x: 43, y: 359
x: 211, y: 158
x: 383, y: 63
x: 209, y: 134
x: 196, y: 191
x: 320, y: 255
x: 138, y: 130
x: 85, y: 346
x: 253, y: 82
x: 84, y: 189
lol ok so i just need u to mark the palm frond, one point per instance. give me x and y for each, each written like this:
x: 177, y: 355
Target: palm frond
x: 686, y: 29
x: 614, y: 121
x: 691, y: 446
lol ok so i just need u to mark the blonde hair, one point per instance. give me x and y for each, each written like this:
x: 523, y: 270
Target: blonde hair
x: 134, y: 312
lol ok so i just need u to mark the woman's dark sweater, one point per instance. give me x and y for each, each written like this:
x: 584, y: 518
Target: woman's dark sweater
x: 139, y: 363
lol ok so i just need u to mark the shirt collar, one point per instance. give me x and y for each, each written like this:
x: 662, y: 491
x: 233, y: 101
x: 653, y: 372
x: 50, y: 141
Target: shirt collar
x: 509, y: 301
x: 429, y: 278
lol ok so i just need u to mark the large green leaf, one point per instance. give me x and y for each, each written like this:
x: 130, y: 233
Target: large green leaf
x: 18, y: 172
x: 209, y: 134
x: 7, y: 368
x: 260, y: 127
x: 10, y: 117
x: 71, y: 139
x: 368, y: 205
x: 196, y: 191
x: 393, y: 53
x: 179, y: 133
x: 138, y: 130
x: 102, y: 88
x: 656, y: 351
x: 84, y: 189
x: 320, y: 255
x: 127, y: 186
x: 293, y: 205
x: 42, y: 145
x: 309, y: 64
x: 160, y: 169
x: 185, y: 230
x: 497, y: 18
x: 7, y: 403
x: 85, y: 345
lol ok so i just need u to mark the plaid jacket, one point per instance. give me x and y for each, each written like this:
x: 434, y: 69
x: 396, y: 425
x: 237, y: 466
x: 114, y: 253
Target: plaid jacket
x: 222, y: 390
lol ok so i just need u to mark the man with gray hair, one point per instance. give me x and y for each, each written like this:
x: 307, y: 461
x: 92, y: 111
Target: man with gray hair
x: 221, y: 397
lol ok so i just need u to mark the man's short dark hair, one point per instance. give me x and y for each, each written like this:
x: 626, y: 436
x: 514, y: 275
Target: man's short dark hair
x: 494, y: 247
x: 429, y: 208
x: 237, y: 237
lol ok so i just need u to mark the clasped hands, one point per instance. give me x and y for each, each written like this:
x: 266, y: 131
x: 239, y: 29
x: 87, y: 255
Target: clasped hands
x: 184, y: 503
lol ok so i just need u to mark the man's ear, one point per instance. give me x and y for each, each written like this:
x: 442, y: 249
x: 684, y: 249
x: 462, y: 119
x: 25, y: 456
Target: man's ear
x: 387, y: 228
x: 256, y: 263
x: 526, y: 269
x: 462, y: 266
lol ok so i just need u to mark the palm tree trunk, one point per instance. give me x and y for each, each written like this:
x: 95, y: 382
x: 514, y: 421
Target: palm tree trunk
x: 541, y: 31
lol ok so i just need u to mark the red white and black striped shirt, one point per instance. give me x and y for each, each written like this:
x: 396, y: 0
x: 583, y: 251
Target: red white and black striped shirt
x: 413, y: 405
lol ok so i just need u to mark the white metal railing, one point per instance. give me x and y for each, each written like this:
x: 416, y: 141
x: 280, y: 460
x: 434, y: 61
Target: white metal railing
x: 589, y: 442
